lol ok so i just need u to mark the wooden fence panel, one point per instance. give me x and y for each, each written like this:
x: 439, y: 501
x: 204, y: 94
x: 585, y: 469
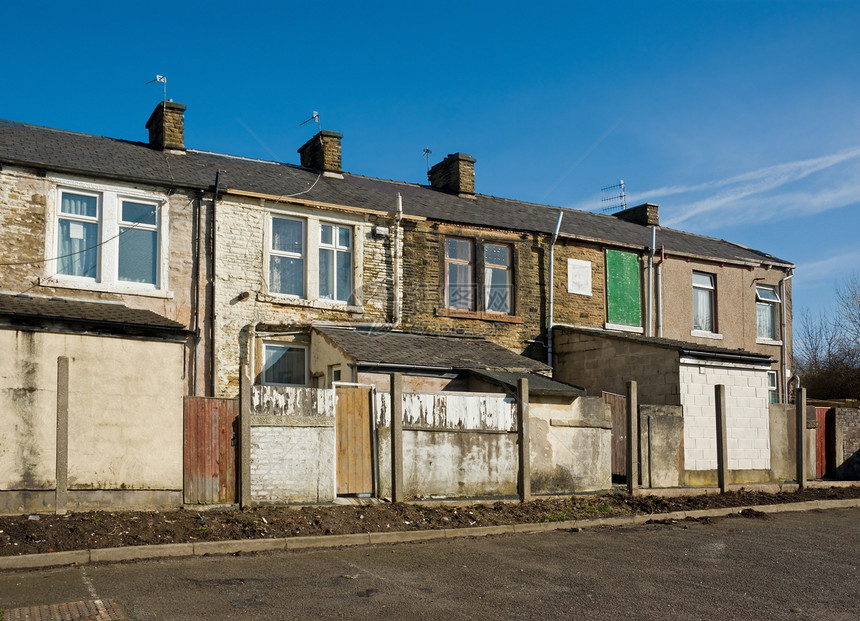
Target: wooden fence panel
x: 210, y: 450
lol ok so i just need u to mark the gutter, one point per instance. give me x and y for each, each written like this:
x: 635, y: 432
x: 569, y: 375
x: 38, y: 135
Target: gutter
x: 693, y: 353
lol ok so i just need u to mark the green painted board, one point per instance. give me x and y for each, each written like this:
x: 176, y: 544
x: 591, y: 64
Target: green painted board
x: 623, y: 288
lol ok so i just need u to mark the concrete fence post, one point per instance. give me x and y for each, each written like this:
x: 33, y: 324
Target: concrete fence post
x: 800, y: 426
x: 632, y: 437
x: 722, y: 444
x: 396, y: 437
x: 244, y: 465
x: 61, y: 497
x: 524, y: 481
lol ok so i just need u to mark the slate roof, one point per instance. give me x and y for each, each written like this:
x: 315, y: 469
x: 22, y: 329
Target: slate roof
x: 538, y: 384
x: 69, y: 152
x: 692, y: 349
x: 33, y: 310
x: 404, y: 349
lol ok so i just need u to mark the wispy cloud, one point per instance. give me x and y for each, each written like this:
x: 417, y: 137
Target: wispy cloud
x: 731, y: 197
x: 829, y: 269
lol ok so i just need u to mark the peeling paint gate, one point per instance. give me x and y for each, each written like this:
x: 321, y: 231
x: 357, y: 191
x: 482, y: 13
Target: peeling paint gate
x: 618, y: 408
x: 210, y: 449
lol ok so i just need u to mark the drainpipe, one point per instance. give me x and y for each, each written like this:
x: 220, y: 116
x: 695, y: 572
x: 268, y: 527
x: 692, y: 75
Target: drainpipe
x: 783, y: 348
x: 552, y: 287
x: 398, y: 302
x: 660, y: 292
x: 196, y: 279
x: 650, y: 312
x: 213, y: 314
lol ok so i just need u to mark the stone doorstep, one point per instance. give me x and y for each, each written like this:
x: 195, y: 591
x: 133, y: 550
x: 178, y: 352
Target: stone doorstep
x: 80, y: 557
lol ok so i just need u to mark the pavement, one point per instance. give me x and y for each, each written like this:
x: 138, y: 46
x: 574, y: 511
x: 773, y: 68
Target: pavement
x: 782, y: 565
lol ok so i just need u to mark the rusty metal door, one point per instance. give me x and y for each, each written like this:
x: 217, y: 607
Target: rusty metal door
x: 211, y: 433
x: 618, y: 408
x: 354, y: 437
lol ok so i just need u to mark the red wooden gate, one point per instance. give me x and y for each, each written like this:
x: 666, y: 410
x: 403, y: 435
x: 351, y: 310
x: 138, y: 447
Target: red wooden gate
x: 825, y: 440
x: 618, y: 408
x: 211, y: 434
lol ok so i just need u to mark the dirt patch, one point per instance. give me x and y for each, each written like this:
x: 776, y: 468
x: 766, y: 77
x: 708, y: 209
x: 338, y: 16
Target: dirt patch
x: 28, y: 534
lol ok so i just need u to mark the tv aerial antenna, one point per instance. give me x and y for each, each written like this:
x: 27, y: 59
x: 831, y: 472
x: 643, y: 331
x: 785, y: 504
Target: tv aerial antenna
x: 314, y: 117
x: 426, y: 156
x: 617, y: 200
x: 163, y: 80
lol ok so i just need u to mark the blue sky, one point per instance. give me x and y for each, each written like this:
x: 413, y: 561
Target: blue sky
x: 739, y: 118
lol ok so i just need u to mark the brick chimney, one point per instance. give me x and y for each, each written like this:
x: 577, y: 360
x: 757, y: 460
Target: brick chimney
x: 166, y: 126
x: 322, y: 152
x: 644, y: 214
x: 454, y: 174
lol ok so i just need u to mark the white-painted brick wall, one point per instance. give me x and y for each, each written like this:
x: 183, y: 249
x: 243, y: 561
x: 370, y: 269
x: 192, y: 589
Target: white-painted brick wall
x: 747, y: 419
x: 292, y: 464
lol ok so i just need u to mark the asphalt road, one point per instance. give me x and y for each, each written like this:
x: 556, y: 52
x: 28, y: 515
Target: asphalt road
x: 784, y: 566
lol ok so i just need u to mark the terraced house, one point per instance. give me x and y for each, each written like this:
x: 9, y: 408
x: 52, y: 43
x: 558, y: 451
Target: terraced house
x: 136, y: 273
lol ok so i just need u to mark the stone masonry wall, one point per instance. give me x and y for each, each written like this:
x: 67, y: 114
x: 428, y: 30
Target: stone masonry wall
x: 424, y: 295
x: 575, y: 308
x: 241, y: 266
x: 848, y: 422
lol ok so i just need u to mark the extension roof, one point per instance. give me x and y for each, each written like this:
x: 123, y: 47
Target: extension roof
x: 68, y: 152
x: 685, y: 349
x: 40, y: 312
x: 421, y: 351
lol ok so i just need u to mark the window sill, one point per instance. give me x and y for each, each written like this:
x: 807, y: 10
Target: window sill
x: 624, y: 328
x: 763, y: 341
x: 100, y: 287
x: 459, y: 313
x: 284, y: 300
x: 704, y: 334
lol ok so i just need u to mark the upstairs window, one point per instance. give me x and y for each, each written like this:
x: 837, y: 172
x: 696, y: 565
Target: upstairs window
x: 460, y: 274
x: 335, y: 267
x: 704, y: 288
x: 497, y: 278
x: 766, y: 312
x: 108, y: 241
x: 287, y: 257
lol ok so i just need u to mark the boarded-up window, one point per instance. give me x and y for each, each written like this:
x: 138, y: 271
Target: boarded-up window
x: 623, y: 289
x: 579, y: 276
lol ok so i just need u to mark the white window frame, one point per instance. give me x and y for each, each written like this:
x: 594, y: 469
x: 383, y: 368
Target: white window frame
x: 712, y: 333
x: 109, y: 198
x: 303, y: 255
x: 284, y: 345
x: 312, y: 221
x: 773, y: 386
x: 335, y: 247
x: 773, y: 303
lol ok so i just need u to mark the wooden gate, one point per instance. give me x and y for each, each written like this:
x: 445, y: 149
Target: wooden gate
x: 618, y: 408
x: 825, y: 442
x: 354, y: 438
x: 211, y: 443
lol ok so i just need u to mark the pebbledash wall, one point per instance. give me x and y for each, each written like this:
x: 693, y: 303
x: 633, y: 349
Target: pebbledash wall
x: 747, y: 415
x: 242, y: 260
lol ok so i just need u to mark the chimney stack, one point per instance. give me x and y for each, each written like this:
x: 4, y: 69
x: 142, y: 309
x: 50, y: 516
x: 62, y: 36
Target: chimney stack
x: 644, y: 214
x: 166, y: 126
x: 322, y: 152
x: 455, y: 174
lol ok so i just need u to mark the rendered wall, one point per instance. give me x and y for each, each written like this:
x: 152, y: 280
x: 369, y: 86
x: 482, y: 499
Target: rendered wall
x: 661, y: 445
x: 124, y: 422
x: 570, y: 445
x: 292, y: 445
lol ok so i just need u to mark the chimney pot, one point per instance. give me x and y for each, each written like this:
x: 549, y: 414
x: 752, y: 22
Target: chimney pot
x: 166, y: 126
x: 454, y: 174
x: 322, y: 152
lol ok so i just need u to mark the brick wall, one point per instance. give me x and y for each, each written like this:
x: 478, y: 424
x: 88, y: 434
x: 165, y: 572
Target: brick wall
x: 747, y: 415
x: 292, y: 464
